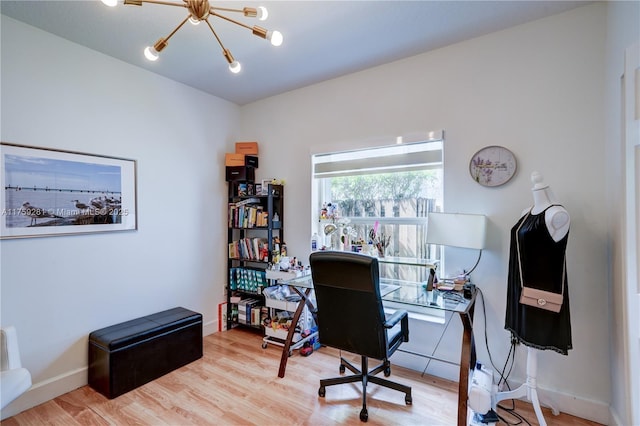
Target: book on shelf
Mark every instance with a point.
(233, 250)
(245, 308)
(256, 249)
(247, 216)
(255, 315)
(247, 279)
(222, 316)
(247, 201)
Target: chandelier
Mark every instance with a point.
(201, 11)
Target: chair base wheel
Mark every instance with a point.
(364, 415)
(408, 400)
(322, 391)
(342, 368)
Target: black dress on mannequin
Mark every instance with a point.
(543, 267)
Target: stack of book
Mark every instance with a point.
(247, 214)
(249, 311)
(249, 249)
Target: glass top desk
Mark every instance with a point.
(408, 295)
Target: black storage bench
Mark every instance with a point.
(127, 355)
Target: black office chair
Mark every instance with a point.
(351, 318)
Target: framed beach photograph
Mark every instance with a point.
(48, 192)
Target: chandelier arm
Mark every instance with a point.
(166, 3)
(213, 12)
(177, 28)
(226, 9)
(250, 12)
(234, 66)
(215, 34)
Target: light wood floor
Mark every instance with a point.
(236, 383)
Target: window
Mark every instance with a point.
(387, 190)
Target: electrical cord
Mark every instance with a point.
(514, 413)
(503, 378)
(486, 340)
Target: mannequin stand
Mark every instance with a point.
(528, 389)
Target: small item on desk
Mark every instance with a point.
(445, 286)
(460, 281)
(468, 290)
(432, 279)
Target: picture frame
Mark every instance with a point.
(264, 186)
(52, 192)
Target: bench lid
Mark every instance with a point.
(134, 331)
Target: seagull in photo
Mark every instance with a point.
(80, 205)
(36, 213)
(97, 203)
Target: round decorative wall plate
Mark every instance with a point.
(492, 166)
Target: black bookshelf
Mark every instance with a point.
(254, 239)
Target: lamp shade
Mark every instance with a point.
(457, 230)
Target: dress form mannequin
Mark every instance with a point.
(557, 222)
(556, 217)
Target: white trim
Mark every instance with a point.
(47, 390)
(595, 411)
(630, 231)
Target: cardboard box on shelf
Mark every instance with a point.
(251, 160)
(247, 148)
(233, 159)
(240, 173)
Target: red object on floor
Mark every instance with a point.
(306, 350)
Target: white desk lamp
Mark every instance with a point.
(458, 230)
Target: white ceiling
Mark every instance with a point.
(322, 39)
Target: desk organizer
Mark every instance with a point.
(125, 356)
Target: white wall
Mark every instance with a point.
(536, 89)
(56, 290)
(622, 31)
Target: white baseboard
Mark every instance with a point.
(46, 390)
(614, 418)
(209, 327)
(596, 411)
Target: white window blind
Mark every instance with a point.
(388, 159)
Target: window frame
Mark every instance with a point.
(321, 188)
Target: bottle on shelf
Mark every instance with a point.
(315, 241)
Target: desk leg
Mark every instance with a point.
(291, 332)
(307, 301)
(467, 361)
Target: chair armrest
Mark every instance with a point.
(14, 380)
(395, 318)
(9, 351)
(399, 315)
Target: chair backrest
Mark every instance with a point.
(350, 312)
